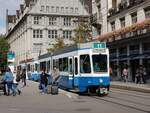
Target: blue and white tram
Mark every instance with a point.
(83, 67)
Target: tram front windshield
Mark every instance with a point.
(85, 65)
(99, 63)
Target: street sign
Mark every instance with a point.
(10, 56)
(100, 45)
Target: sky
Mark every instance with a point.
(11, 5)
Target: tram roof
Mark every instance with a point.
(68, 49)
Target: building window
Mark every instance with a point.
(37, 33)
(112, 25)
(134, 17)
(52, 21)
(71, 10)
(57, 9)
(146, 46)
(52, 33)
(52, 9)
(122, 21)
(134, 49)
(47, 8)
(37, 47)
(67, 34)
(66, 9)
(114, 3)
(76, 10)
(123, 51)
(37, 19)
(67, 21)
(147, 12)
(42, 8)
(62, 9)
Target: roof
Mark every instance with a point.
(68, 49)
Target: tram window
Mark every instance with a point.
(28, 67)
(85, 66)
(70, 66)
(57, 63)
(76, 66)
(60, 65)
(37, 67)
(42, 66)
(65, 64)
(48, 66)
(99, 63)
(54, 64)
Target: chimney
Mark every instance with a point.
(21, 8)
(27, 2)
(17, 13)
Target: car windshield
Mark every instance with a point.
(99, 63)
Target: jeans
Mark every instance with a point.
(44, 88)
(10, 87)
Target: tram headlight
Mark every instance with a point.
(100, 80)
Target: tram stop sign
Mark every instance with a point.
(101, 45)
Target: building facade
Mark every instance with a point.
(98, 19)
(128, 36)
(38, 24)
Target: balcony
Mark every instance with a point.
(124, 5)
(135, 2)
(112, 11)
(96, 20)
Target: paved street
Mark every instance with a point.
(118, 101)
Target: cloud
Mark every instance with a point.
(11, 5)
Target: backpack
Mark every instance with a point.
(18, 79)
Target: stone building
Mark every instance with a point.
(38, 23)
(128, 37)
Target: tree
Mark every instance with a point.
(4, 48)
(82, 33)
(59, 44)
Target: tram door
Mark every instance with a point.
(75, 70)
(71, 74)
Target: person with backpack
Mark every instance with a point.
(16, 82)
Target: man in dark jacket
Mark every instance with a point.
(23, 76)
(44, 81)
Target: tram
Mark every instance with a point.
(82, 67)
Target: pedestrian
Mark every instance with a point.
(137, 75)
(111, 73)
(3, 82)
(8, 78)
(55, 75)
(16, 82)
(23, 77)
(125, 74)
(43, 81)
(143, 74)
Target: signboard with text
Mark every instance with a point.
(100, 45)
(10, 56)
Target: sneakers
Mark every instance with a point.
(19, 92)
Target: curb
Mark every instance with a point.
(131, 88)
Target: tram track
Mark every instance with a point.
(131, 94)
(121, 104)
(129, 101)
